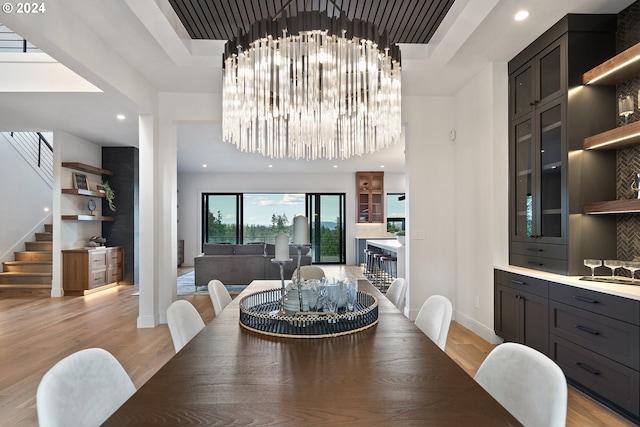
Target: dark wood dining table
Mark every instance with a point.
(388, 375)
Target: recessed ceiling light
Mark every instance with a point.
(521, 15)
(335, 166)
(120, 117)
(270, 166)
(204, 166)
(382, 166)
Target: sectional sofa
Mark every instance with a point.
(240, 264)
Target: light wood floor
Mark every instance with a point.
(37, 332)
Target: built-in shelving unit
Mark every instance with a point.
(78, 192)
(620, 137)
(618, 69)
(82, 167)
(87, 218)
(86, 168)
(612, 207)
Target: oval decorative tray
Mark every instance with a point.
(259, 312)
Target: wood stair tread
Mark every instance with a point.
(25, 285)
(26, 262)
(20, 274)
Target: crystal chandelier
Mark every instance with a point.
(311, 87)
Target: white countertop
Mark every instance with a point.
(376, 237)
(388, 244)
(627, 291)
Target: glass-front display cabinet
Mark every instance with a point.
(370, 197)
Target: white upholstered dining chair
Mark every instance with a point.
(434, 319)
(527, 383)
(219, 295)
(82, 390)
(309, 272)
(396, 292)
(184, 323)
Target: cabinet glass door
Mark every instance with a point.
(376, 183)
(363, 207)
(550, 73)
(550, 128)
(523, 92)
(377, 210)
(524, 163)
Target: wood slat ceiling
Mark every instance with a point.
(407, 21)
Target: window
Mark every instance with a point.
(395, 212)
(221, 218)
(327, 227)
(258, 217)
(265, 215)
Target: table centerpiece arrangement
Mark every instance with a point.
(307, 308)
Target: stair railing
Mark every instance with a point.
(12, 42)
(35, 148)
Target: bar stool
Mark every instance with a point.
(377, 269)
(388, 267)
(368, 263)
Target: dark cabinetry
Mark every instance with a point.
(592, 336)
(594, 339)
(521, 307)
(180, 252)
(370, 196)
(549, 117)
(539, 80)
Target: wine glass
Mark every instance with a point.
(632, 266)
(592, 263)
(332, 297)
(352, 294)
(612, 264)
(312, 293)
(322, 295)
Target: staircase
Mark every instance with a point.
(31, 272)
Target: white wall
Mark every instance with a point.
(75, 234)
(23, 199)
(481, 185)
(192, 185)
(457, 197)
(431, 174)
(71, 234)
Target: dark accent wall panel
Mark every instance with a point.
(124, 231)
(628, 160)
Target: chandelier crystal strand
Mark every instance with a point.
(310, 93)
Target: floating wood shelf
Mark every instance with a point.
(620, 137)
(618, 69)
(612, 207)
(87, 218)
(86, 168)
(78, 192)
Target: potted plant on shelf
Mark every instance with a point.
(109, 194)
(400, 236)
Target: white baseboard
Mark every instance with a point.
(477, 328)
(147, 322)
